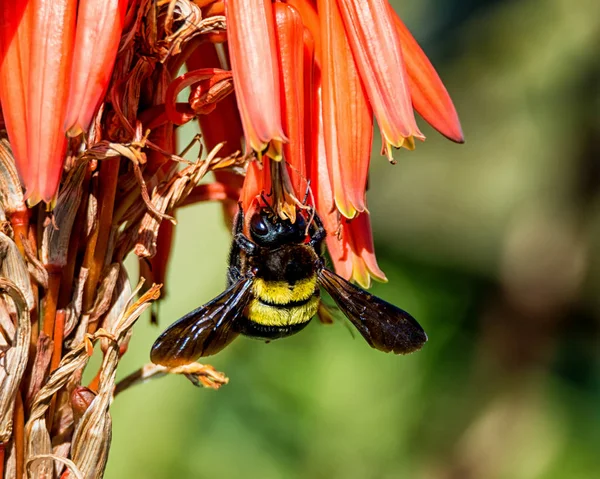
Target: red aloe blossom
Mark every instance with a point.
(339, 62)
(428, 93)
(15, 32)
(99, 27)
(290, 42)
(252, 48)
(376, 47)
(50, 64)
(347, 116)
(37, 51)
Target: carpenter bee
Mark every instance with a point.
(273, 291)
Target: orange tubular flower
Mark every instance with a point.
(376, 47)
(290, 42)
(15, 36)
(429, 95)
(252, 48)
(339, 62)
(34, 87)
(347, 117)
(99, 27)
(51, 53)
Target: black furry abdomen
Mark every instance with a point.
(260, 331)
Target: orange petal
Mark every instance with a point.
(310, 19)
(52, 39)
(349, 242)
(376, 48)
(348, 127)
(99, 27)
(319, 176)
(251, 41)
(312, 86)
(15, 31)
(290, 42)
(429, 95)
(357, 232)
(253, 185)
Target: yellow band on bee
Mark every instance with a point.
(281, 316)
(280, 292)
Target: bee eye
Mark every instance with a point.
(258, 226)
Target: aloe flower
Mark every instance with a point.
(56, 65)
(99, 27)
(339, 63)
(285, 94)
(36, 53)
(252, 48)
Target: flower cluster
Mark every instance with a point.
(309, 77)
(89, 92)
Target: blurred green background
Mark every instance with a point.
(494, 246)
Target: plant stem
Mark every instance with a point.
(19, 435)
(2, 447)
(51, 299)
(97, 246)
(59, 333)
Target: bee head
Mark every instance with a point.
(267, 229)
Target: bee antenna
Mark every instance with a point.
(268, 206)
(307, 193)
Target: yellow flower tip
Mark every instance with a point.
(364, 281)
(388, 152)
(33, 200)
(378, 276)
(274, 150)
(50, 205)
(360, 273)
(407, 143)
(363, 274)
(74, 131)
(346, 208)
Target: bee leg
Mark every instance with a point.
(246, 245)
(238, 226)
(319, 234)
(240, 241)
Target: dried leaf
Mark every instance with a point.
(37, 438)
(39, 368)
(55, 241)
(105, 293)
(189, 16)
(73, 310)
(34, 265)
(13, 266)
(61, 453)
(92, 437)
(32, 462)
(198, 374)
(170, 194)
(11, 192)
(120, 302)
(15, 360)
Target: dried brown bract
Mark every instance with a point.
(63, 283)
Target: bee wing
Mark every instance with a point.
(383, 325)
(204, 331)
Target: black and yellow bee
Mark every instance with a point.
(273, 291)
